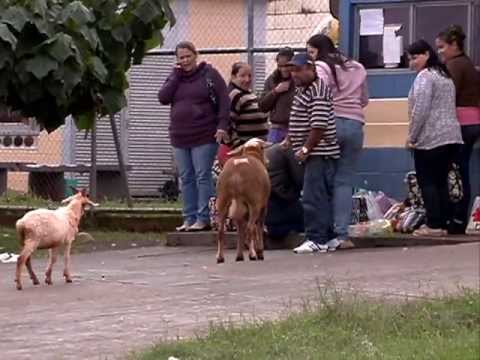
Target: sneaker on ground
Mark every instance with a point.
(309, 247)
(334, 244)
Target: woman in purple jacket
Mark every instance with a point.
(199, 119)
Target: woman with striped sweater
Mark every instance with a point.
(246, 118)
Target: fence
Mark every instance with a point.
(224, 31)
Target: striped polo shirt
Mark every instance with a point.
(312, 108)
(247, 120)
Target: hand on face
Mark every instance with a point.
(282, 87)
(186, 60)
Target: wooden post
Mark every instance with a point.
(93, 162)
(121, 162)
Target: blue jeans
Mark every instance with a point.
(195, 170)
(350, 139)
(318, 199)
(277, 135)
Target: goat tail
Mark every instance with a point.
(20, 227)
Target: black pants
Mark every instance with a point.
(461, 211)
(432, 168)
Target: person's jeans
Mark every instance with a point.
(432, 167)
(318, 199)
(350, 139)
(195, 170)
(470, 134)
(277, 135)
(283, 217)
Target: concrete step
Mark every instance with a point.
(396, 240)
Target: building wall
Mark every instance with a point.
(49, 150)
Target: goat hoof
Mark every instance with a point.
(19, 286)
(260, 257)
(35, 282)
(220, 261)
(252, 258)
(48, 281)
(68, 281)
(239, 258)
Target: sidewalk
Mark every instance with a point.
(127, 300)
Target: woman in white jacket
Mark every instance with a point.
(348, 82)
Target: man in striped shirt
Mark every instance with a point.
(312, 135)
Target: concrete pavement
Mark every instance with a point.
(124, 300)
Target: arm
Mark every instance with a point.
(167, 92)
(324, 72)
(266, 102)
(223, 100)
(422, 95)
(456, 74)
(364, 97)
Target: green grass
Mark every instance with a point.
(102, 240)
(12, 198)
(444, 329)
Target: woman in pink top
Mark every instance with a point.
(450, 44)
(348, 81)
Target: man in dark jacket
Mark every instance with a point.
(278, 96)
(285, 212)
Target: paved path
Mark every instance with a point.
(123, 300)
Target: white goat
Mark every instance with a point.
(48, 229)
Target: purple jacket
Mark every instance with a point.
(193, 119)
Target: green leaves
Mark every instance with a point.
(70, 57)
(7, 36)
(40, 66)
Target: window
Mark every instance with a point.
(419, 19)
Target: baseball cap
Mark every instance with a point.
(300, 60)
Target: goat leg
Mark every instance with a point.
(260, 238)
(30, 271)
(221, 239)
(252, 239)
(66, 271)
(241, 229)
(52, 259)
(28, 249)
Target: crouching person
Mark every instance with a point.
(285, 212)
(312, 134)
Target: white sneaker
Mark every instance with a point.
(309, 247)
(334, 244)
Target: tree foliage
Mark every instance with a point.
(71, 57)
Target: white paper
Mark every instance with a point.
(392, 45)
(371, 22)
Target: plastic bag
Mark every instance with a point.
(473, 227)
(384, 202)
(379, 228)
(411, 220)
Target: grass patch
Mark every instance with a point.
(336, 328)
(12, 198)
(102, 240)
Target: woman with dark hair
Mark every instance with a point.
(451, 48)
(348, 82)
(199, 119)
(434, 134)
(247, 120)
(277, 97)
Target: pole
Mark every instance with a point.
(93, 162)
(250, 32)
(121, 162)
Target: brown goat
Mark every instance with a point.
(243, 189)
(48, 229)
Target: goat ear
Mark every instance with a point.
(74, 189)
(237, 151)
(84, 192)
